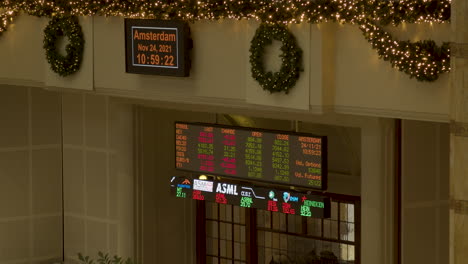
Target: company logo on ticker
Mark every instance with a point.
(206, 186)
(287, 197)
(186, 181)
(271, 195)
(185, 184)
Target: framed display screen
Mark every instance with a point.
(157, 47)
(286, 158)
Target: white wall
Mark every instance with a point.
(166, 224)
(366, 83)
(97, 171)
(30, 176)
(98, 175)
(425, 192)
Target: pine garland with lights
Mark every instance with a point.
(67, 26)
(273, 11)
(369, 15)
(6, 18)
(291, 58)
(422, 60)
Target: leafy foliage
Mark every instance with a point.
(104, 259)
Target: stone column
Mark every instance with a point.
(458, 223)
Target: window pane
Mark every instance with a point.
(347, 231)
(268, 241)
(242, 230)
(336, 250)
(237, 250)
(300, 221)
(314, 227)
(351, 253)
(261, 218)
(211, 210)
(275, 240)
(237, 233)
(344, 252)
(211, 246)
(344, 212)
(276, 220)
(334, 210)
(229, 230)
(229, 246)
(242, 214)
(351, 213)
(243, 254)
(222, 247)
(222, 211)
(283, 242)
(261, 238)
(239, 215)
(228, 213)
(225, 213)
(212, 228)
(294, 224)
(261, 255)
(225, 231)
(268, 219)
(330, 229)
(283, 226)
(268, 256)
(212, 260)
(326, 228)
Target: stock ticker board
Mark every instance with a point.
(292, 159)
(252, 197)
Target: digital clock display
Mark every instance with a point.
(273, 200)
(157, 47)
(286, 158)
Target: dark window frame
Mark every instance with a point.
(251, 227)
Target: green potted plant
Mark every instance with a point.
(104, 259)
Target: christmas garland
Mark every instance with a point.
(369, 15)
(423, 60)
(69, 27)
(277, 11)
(6, 19)
(291, 58)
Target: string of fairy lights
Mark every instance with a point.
(423, 60)
(6, 18)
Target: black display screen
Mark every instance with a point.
(252, 154)
(273, 200)
(157, 47)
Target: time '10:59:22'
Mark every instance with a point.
(155, 59)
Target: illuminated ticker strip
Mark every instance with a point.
(270, 199)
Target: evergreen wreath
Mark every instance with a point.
(69, 27)
(291, 58)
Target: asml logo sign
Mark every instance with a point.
(227, 188)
